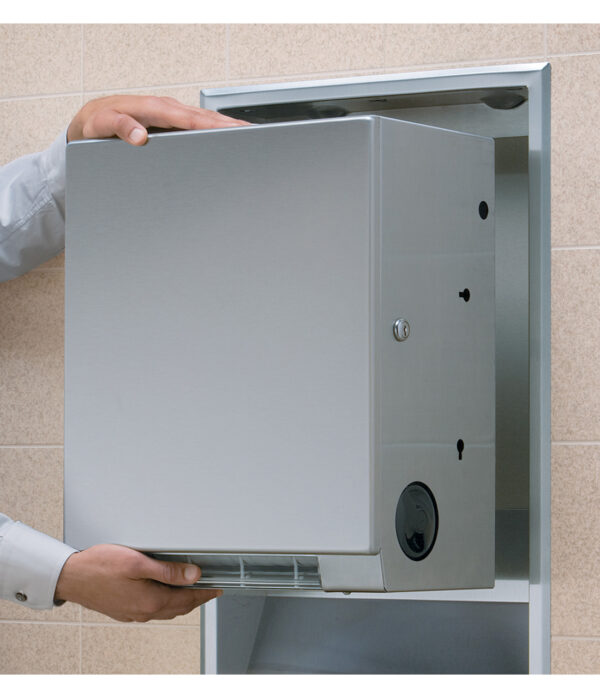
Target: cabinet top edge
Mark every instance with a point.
(516, 69)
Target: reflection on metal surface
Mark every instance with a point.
(496, 98)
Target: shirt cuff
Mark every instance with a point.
(31, 563)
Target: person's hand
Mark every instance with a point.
(127, 117)
(130, 586)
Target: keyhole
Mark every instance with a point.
(466, 294)
(460, 446)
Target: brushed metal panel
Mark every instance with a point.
(231, 373)
(438, 386)
(217, 340)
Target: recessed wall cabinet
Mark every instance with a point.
(312, 355)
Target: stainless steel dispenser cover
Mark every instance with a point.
(234, 385)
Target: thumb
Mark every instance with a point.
(128, 129)
(109, 122)
(174, 573)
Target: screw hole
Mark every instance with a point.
(483, 210)
(466, 294)
(460, 447)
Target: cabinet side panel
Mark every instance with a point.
(437, 396)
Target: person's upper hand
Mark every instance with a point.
(130, 586)
(127, 117)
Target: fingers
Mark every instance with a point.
(171, 573)
(109, 122)
(128, 116)
(157, 602)
(169, 113)
(182, 601)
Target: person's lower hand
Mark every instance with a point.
(130, 586)
(127, 117)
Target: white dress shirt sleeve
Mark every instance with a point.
(32, 230)
(30, 564)
(32, 209)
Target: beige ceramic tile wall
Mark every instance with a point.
(47, 72)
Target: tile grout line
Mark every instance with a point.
(114, 90)
(38, 270)
(574, 54)
(501, 60)
(61, 446)
(583, 638)
(80, 640)
(51, 95)
(31, 446)
(575, 443)
(18, 621)
(91, 624)
(227, 51)
(386, 40)
(81, 64)
(572, 248)
(136, 626)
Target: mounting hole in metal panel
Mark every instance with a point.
(416, 521)
(483, 209)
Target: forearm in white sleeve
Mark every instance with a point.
(30, 564)
(32, 209)
(32, 230)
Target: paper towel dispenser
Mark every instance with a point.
(280, 353)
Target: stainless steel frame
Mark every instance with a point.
(500, 87)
